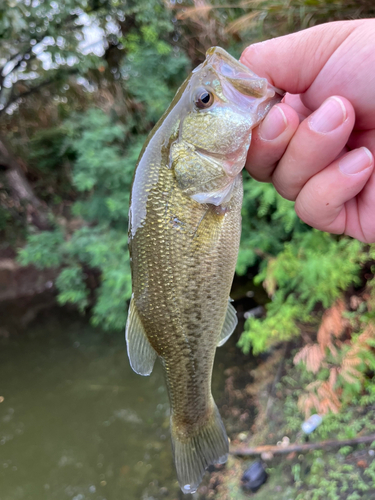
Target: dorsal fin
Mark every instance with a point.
(141, 355)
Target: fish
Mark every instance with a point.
(184, 235)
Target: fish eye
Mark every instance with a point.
(204, 99)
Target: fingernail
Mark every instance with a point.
(273, 125)
(329, 116)
(355, 161)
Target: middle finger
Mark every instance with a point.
(316, 143)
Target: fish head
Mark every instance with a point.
(224, 101)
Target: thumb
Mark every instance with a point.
(292, 62)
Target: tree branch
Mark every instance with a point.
(277, 450)
(14, 98)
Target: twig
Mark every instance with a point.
(277, 450)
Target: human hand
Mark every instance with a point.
(318, 145)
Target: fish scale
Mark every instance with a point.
(184, 234)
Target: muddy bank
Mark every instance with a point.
(18, 281)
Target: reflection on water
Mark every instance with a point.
(76, 422)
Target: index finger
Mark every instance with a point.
(293, 62)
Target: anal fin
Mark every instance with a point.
(229, 325)
(141, 354)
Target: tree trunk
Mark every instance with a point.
(21, 189)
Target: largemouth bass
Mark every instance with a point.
(184, 234)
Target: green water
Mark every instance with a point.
(76, 422)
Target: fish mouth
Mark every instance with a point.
(239, 75)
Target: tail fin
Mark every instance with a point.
(192, 455)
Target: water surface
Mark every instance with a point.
(76, 422)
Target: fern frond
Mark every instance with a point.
(312, 355)
(333, 323)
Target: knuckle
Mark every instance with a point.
(303, 213)
(260, 173)
(287, 191)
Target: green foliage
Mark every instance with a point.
(301, 268)
(314, 266)
(12, 219)
(83, 165)
(72, 287)
(101, 168)
(102, 174)
(268, 221)
(105, 248)
(29, 29)
(337, 477)
(322, 474)
(161, 74)
(48, 149)
(89, 159)
(44, 249)
(49, 158)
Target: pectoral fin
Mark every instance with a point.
(230, 324)
(141, 355)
